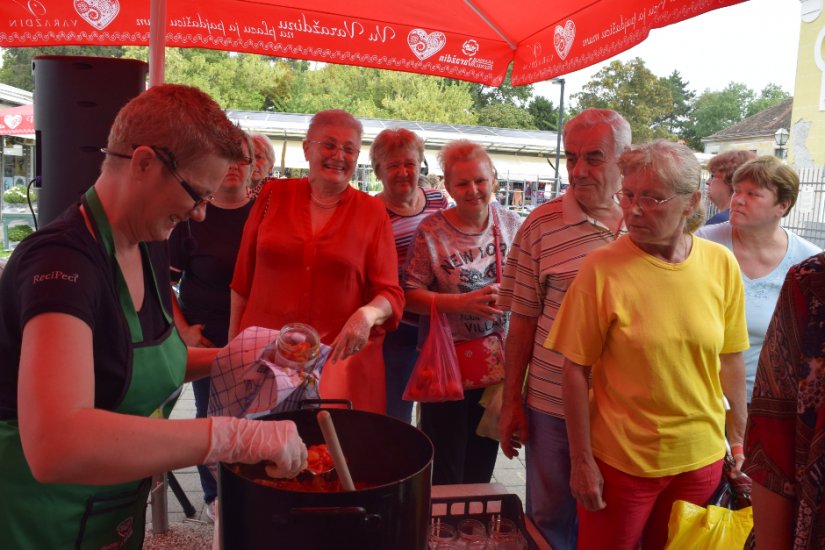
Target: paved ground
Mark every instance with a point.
(509, 473)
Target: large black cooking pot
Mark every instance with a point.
(394, 458)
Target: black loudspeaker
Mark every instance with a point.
(75, 102)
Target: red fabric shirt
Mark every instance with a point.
(785, 440)
(288, 275)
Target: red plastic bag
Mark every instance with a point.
(436, 376)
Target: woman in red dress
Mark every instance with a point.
(318, 251)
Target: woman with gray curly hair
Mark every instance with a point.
(397, 155)
(658, 319)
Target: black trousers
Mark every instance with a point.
(460, 455)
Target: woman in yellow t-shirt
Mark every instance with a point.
(658, 319)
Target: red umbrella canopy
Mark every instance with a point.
(17, 121)
(473, 40)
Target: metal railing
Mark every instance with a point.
(807, 217)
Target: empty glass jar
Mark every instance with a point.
(442, 535)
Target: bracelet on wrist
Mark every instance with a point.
(737, 450)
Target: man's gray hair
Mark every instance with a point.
(594, 117)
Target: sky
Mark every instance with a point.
(754, 42)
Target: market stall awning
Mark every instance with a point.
(522, 167)
(17, 121)
(473, 40)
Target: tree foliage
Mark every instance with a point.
(545, 115)
(654, 106)
(632, 89)
(771, 95)
(714, 111)
(235, 81)
(17, 62)
(666, 107)
(506, 115)
(677, 121)
(374, 93)
(506, 93)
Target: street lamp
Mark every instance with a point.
(560, 82)
(781, 138)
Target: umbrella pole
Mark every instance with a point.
(157, 53)
(157, 41)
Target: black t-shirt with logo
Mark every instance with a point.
(62, 269)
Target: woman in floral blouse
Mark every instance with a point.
(785, 440)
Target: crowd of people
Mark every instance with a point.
(640, 344)
(631, 343)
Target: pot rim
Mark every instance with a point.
(287, 415)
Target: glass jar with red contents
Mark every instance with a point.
(298, 346)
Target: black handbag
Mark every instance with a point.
(734, 490)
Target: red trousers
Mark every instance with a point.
(638, 508)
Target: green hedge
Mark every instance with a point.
(17, 195)
(19, 232)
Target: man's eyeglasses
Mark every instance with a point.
(167, 158)
(626, 200)
(330, 147)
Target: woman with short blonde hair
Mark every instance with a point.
(452, 264)
(657, 319)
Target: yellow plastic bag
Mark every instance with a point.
(691, 527)
(491, 401)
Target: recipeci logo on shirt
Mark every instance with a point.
(55, 276)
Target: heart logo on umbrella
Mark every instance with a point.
(97, 13)
(563, 38)
(13, 121)
(424, 44)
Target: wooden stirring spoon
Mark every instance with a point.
(334, 447)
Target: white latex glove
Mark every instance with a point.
(250, 441)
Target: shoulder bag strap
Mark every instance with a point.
(497, 240)
(268, 196)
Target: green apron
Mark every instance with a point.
(51, 516)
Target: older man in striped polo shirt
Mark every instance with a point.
(543, 261)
